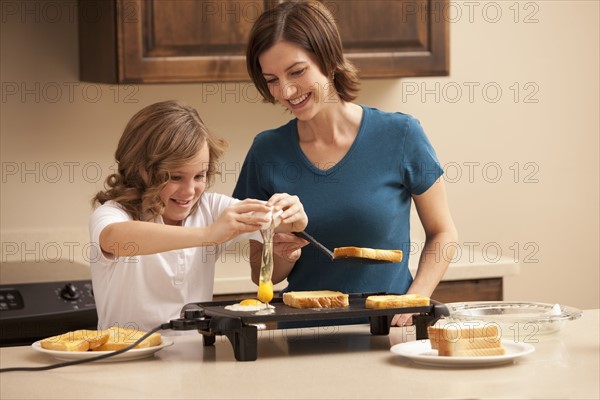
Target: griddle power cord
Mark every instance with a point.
(181, 324)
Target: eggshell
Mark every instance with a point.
(275, 217)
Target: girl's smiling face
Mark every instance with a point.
(184, 188)
(295, 80)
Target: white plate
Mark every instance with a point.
(421, 352)
(133, 354)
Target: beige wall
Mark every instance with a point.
(516, 125)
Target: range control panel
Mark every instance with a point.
(32, 311)
(10, 300)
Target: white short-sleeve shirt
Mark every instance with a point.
(148, 290)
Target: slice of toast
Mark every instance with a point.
(454, 332)
(119, 338)
(468, 344)
(396, 301)
(494, 351)
(365, 252)
(460, 340)
(316, 299)
(80, 340)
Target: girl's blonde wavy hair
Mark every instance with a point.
(159, 138)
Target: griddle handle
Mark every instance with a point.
(440, 310)
(422, 321)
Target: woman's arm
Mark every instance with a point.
(287, 249)
(131, 238)
(433, 211)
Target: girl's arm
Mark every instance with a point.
(131, 238)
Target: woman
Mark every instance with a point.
(157, 232)
(355, 168)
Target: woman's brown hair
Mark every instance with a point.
(159, 138)
(307, 24)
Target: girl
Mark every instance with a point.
(157, 232)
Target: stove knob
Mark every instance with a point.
(69, 292)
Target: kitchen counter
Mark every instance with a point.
(334, 362)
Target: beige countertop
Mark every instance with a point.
(336, 362)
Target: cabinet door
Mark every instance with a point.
(134, 41)
(395, 38)
(490, 289)
(185, 40)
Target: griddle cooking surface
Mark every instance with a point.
(356, 309)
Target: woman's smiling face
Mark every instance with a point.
(184, 188)
(295, 80)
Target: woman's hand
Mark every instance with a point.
(402, 320)
(288, 246)
(293, 217)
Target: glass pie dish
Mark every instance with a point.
(520, 321)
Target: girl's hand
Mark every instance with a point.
(238, 218)
(293, 218)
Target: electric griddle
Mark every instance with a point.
(240, 327)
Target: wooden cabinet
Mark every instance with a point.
(395, 38)
(469, 290)
(161, 41)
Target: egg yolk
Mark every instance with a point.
(265, 291)
(251, 302)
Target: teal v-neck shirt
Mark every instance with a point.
(364, 200)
